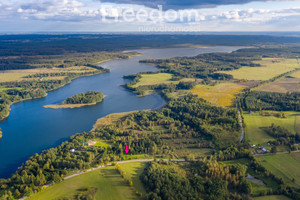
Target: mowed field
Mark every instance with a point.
(284, 166)
(18, 75)
(153, 79)
(254, 122)
(221, 95)
(109, 183)
(156, 79)
(270, 67)
(296, 74)
(289, 83)
(135, 170)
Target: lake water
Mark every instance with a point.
(31, 128)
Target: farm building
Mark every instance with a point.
(89, 143)
(261, 150)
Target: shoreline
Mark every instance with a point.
(58, 106)
(85, 75)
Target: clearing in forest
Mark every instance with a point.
(270, 68)
(221, 95)
(284, 166)
(107, 182)
(254, 123)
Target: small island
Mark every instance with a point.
(79, 100)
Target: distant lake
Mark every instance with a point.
(31, 128)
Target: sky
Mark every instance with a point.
(21, 16)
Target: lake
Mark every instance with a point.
(30, 128)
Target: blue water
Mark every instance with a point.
(30, 128)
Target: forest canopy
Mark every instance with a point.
(85, 98)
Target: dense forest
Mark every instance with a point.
(58, 44)
(61, 61)
(256, 100)
(85, 98)
(205, 179)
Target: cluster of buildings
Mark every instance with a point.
(259, 150)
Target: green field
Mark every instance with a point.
(102, 144)
(109, 184)
(283, 166)
(257, 188)
(135, 170)
(154, 79)
(296, 156)
(17, 75)
(270, 67)
(254, 121)
(272, 197)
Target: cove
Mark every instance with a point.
(30, 128)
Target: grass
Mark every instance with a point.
(135, 170)
(272, 197)
(270, 67)
(254, 121)
(297, 124)
(109, 184)
(102, 144)
(221, 95)
(296, 155)
(154, 79)
(296, 74)
(283, 85)
(283, 166)
(58, 106)
(256, 187)
(135, 157)
(197, 152)
(18, 75)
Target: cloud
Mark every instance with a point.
(79, 12)
(181, 4)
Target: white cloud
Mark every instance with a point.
(82, 11)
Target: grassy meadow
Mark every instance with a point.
(284, 166)
(221, 95)
(135, 170)
(254, 121)
(296, 74)
(154, 79)
(108, 181)
(283, 85)
(18, 75)
(157, 79)
(272, 197)
(270, 67)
